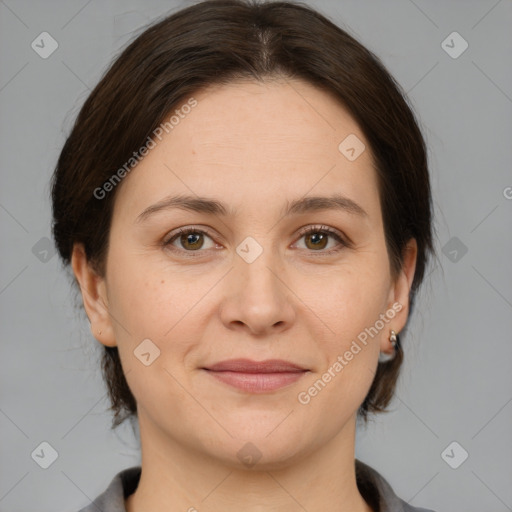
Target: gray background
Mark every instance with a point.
(456, 384)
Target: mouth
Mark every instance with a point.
(256, 376)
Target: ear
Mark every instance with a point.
(399, 294)
(94, 296)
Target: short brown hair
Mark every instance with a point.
(215, 42)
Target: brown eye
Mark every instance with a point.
(189, 239)
(317, 238)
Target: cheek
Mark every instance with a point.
(352, 301)
(350, 351)
(144, 295)
(350, 307)
(150, 304)
(140, 300)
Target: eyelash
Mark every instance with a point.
(304, 231)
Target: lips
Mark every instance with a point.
(248, 366)
(256, 376)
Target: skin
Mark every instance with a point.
(252, 146)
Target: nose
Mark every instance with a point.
(256, 296)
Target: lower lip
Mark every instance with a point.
(257, 382)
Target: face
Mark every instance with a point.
(248, 281)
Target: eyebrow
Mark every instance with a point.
(214, 207)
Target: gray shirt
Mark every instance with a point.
(372, 486)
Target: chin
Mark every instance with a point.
(261, 444)
(263, 455)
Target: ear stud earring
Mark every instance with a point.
(395, 342)
(392, 338)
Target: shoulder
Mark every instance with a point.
(377, 490)
(112, 498)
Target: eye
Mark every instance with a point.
(316, 238)
(190, 238)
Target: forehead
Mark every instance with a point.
(257, 141)
(289, 119)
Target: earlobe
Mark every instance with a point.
(94, 296)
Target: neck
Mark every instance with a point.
(176, 478)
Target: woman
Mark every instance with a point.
(244, 200)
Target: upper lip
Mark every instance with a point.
(250, 366)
